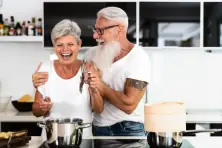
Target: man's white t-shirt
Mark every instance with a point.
(135, 65)
(68, 101)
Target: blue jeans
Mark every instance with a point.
(124, 128)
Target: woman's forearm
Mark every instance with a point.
(96, 101)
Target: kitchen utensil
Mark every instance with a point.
(64, 132)
(172, 139)
(22, 106)
(16, 134)
(15, 142)
(82, 76)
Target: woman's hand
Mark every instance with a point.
(43, 106)
(39, 78)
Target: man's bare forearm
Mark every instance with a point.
(128, 100)
(118, 99)
(96, 101)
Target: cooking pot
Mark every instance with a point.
(172, 139)
(64, 132)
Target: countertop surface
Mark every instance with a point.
(12, 115)
(188, 142)
(203, 116)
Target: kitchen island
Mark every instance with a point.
(199, 141)
(188, 142)
(12, 115)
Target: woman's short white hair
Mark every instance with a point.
(114, 13)
(64, 28)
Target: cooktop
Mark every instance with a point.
(112, 143)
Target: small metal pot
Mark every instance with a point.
(64, 132)
(172, 139)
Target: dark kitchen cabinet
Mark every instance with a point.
(76, 11)
(169, 23)
(216, 126)
(33, 129)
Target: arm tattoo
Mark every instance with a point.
(139, 85)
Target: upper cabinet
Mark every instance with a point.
(84, 14)
(212, 24)
(155, 24)
(169, 24)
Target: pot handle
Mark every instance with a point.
(41, 125)
(84, 125)
(192, 132)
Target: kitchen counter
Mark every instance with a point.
(12, 115)
(201, 118)
(35, 142)
(188, 142)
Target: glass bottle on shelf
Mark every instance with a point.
(6, 27)
(1, 29)
(1, 26)
(12, 31)
(30, 29)
(34, 26)
(24, 29)
(39, 27)
(18, 29)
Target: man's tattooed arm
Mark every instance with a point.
(137, 84)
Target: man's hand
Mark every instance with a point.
(39, 78)
(93, 76)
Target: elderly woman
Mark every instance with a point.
(60, 96)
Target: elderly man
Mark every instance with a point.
(122, 79)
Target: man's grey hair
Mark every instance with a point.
(64, 28)
(114, 13)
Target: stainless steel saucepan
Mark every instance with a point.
(172, 139)
(64, 132)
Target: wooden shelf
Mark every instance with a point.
(21, 39)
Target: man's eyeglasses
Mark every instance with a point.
(100, 31)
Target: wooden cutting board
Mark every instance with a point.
(15, 142)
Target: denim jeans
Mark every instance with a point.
(124, 128)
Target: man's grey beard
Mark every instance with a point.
(105, 55)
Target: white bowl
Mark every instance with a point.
(4, 101)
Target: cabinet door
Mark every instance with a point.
(33, 129)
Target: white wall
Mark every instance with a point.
(19, 60)
(193, 77)
(22, 9)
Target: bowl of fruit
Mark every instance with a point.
(24, 103)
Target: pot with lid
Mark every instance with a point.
(64, 132)
(165, 123)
